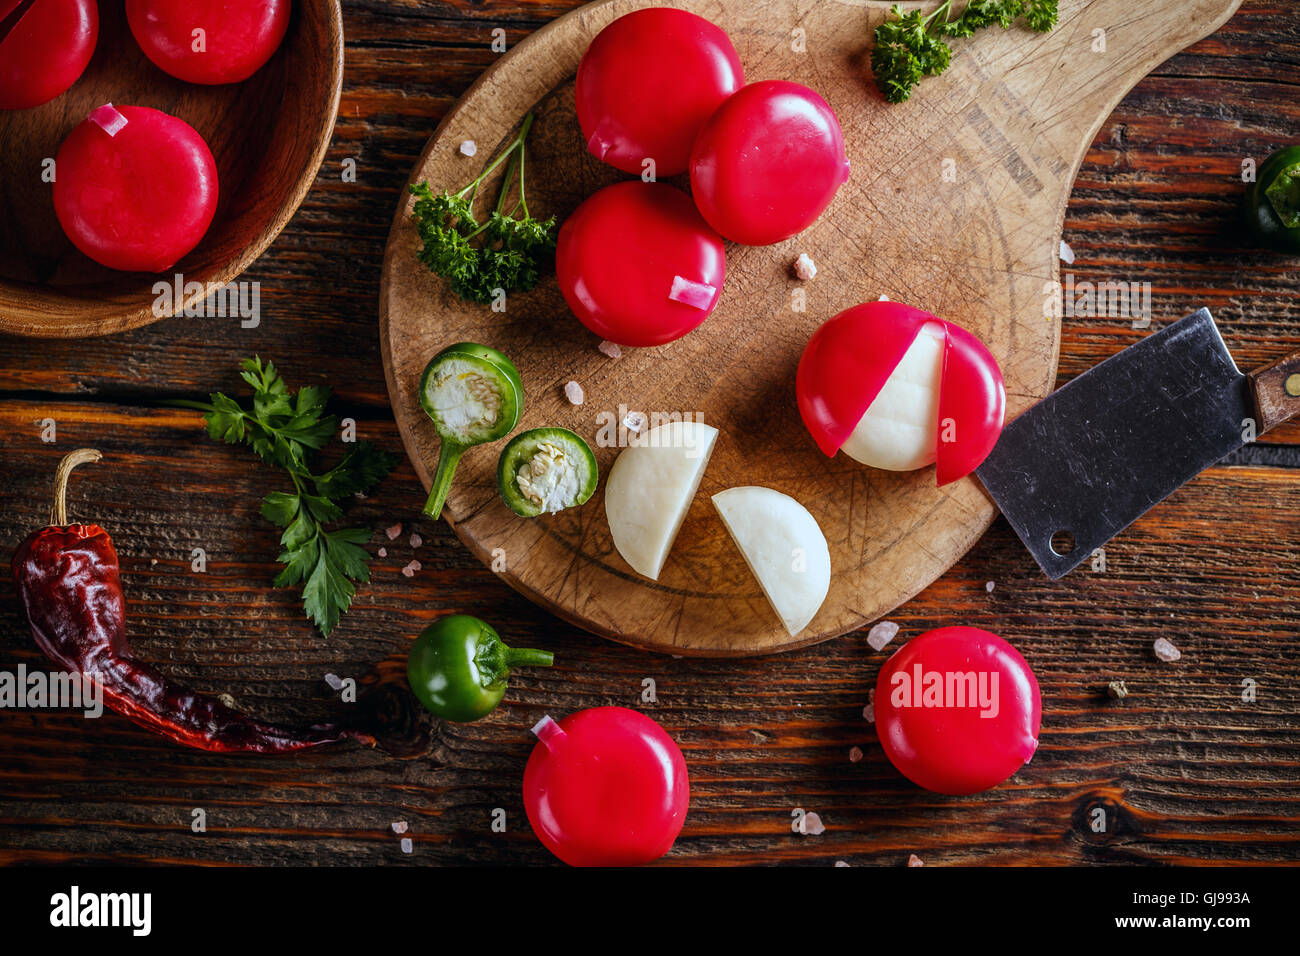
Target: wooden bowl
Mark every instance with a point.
(268, 136)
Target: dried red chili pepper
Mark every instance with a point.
(69, 584)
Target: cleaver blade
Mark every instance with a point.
(1096, 454)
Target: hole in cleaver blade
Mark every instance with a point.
(1096, 454)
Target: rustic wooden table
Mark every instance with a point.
(1187, 769)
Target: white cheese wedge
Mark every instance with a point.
(784, 547)
(650, 489)
(899, 432)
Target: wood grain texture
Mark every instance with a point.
(268, 136)
(1192, 773)
(1013, 120)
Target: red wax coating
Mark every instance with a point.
(638, 265)
(946, 721)
(768, 162)
(848, 360)
(46, 51)
(209, 41)
(648, 82)
(606, 787)
(137, 199)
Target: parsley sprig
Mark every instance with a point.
(285, 430)
(482, 259)
(911, 46)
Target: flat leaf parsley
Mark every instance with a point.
(285, 430)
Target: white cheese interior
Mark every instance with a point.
(650, 489)
(784, 548)
(899, 432)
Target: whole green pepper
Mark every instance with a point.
(458, 667)
(1273, 201)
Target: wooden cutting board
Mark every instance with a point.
(955, 205)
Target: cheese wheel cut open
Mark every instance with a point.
(650, 489)
(899, 431)
(784, 547)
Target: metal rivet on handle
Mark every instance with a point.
(1292, 385)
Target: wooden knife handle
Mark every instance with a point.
(1276, 391)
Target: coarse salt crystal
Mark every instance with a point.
(410, 569)
(840, 863)
(1166, 651)
(989, 586)
(882, 634)
(810, 824)
(635, 421)
(855, 754)
(383, 552)
(804, 267)
(915, 860)
(399, 827)
(407, 845)
(869, 712)
(610, 349)
(334, 681)
(468, 148)
(573, 392)
(393, 532)
(883, 298)
(416, 541)
(1067, 254)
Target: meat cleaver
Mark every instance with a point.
(1091, 458)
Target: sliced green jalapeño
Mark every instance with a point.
(474, 395)
(545, 470)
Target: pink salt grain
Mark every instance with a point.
(383, 552)
(610, 349)
(1165, 650)
(855, 754)
(573, 392)
(410, 569)
(869, 712)
(399, 827)
(416, 541)
(811, 825)
(915, 860)
(407, 845)
(804, 267)
(882, 634)
(393, 532)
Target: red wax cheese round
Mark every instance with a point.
(134, 189)
(648, 82)
(606, 787)
(208, 41)
(637, 264)
(849, 360)
(768, 162)
(957, 710)
(46, 50)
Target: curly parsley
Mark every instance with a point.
(483, 259)
(910, 46)
(285, 430)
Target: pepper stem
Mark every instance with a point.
(59, 507)
(448, 458)
(528, 657)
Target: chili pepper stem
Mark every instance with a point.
(59, 506)
(448, 458)
(528, 657)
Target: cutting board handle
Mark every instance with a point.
(1276, 391)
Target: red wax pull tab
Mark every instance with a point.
(688, 292)
(548, 732)
(108, 118)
